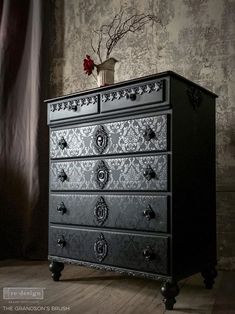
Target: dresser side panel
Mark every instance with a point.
(193, 179)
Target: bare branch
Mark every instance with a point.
(119, 27)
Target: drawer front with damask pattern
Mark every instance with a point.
(140, 252)
(129, 173)
(132, 212)
(136, 135)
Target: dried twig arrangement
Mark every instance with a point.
(120, 26)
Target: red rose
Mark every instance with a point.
(88, 65)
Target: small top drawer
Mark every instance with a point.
(133, 96)
(72, 107)
(137, 135)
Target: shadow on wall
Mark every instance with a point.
(56, 50)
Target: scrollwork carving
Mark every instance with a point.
(101, 211)
(195, 96)
(101, 248)
(100, 139)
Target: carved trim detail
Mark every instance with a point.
(195, 96)
(100, 139)
(122, 271)
(73, 104)
(101, 211)
(101, 248)
(139, 90)
(101, 174)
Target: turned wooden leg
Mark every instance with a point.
(56, 268)
(169, 291)
(209, 275)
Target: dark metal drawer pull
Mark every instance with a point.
(149, 213)
(61, 208)
(62, 143)
(100, 139)
(101, 174)
(101, 211)
(148, 254)
(61, 241)
(62, 176)
(149, 173)
(101, 248)
(131, 96)
(149, 134)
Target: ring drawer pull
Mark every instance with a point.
(61, 242)
(100, 248)
(149, 134)
(62, 176)
(62, 143)
(101, 211)
(100, 139)
(101, 174)
(61, 208)
(149, 173)
(149, 213)
(148, 254)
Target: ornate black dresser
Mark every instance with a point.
(132, 180)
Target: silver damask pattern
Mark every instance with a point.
(123, 137)
(124, 174)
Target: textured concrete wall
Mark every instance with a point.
(197, 40)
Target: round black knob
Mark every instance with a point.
(149, 213)
(61, 242)
(149, 134)
(149, 173)
(132, 96)
(62, 143)
(61, 208)
(74, 106)
(148, 254)
(62, 176)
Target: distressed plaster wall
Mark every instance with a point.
(197, 40)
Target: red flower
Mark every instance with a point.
(88, 65)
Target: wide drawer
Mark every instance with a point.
(134, 96)
(72, 107)
(135, 135)
(129, 173)
(132, 212)
(139, 252)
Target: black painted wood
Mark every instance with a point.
(132, 180)
(56, 269)
(135, 212)
(146, 253)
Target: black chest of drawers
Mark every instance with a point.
(132, 180)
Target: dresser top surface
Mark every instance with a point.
(132, 81)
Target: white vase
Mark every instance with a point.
(105, 72)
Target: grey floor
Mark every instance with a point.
(87, 291)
